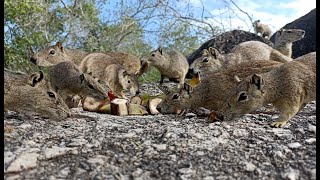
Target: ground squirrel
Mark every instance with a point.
(211, 60)
(55, 54)
(263, 29)
(212, 90)
(68, 80)
(171, 64)
(26, 94)
(284, 39)
(288, 87)
(105, 69)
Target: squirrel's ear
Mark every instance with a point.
(35, 78)
(59, 45)
(160, 50)
(214, 52)
(164, 89)
(205, 52)
(187, 87)
(82, 78)
(258, 81)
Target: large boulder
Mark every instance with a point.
(226, 41)
(308, 43)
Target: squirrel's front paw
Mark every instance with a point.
(278, 124)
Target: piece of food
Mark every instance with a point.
(152, 105)
(136, 109)
(119, 107)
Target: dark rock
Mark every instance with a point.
(226, 41)
(308, 43)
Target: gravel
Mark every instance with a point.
(104, 146)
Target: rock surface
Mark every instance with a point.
(159, 147)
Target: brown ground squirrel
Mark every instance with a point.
(55, 54)
(263, 29)
(105, 69)
(288, 87)
(26, 94)
(284, 39)
(212, 90)
(171, 64)
(211, 60)
(67, 79)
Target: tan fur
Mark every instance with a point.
(288, 87)
(211, 60)
(26, 94)
(263, 29)
(212, 90)
(284, 39)
(67, 79)
(104, 68)
(95, 63)
(171, 64)
(129, 62)
(53, 55)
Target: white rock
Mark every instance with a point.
(25, 126)
(240, 133)
(291, 174)
(312, 128)
(278, 154)
(137, 172)
(23, 161)
(200, 153)
(8, 157)
(13, 177)
(173, 157)
(313, 174)
(216, 132)
(190, 115)
(208, 178)
(58, 151)
(280, 132)
(311, 140)
(77, 142)
(160, 147)
(294, 145)
(97, 160)
(129, 135)
(249, 166)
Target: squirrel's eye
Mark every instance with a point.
(153, 55)
(205, 60)
(176, 96)
(90, 86)
(52, 52)
(242, 97)
(51, 94)
(129, 81)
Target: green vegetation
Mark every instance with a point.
(135, 26)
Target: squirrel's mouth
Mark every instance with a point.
(215, 116)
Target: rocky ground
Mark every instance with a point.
(103, 146)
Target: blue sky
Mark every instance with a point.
(275, 13)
